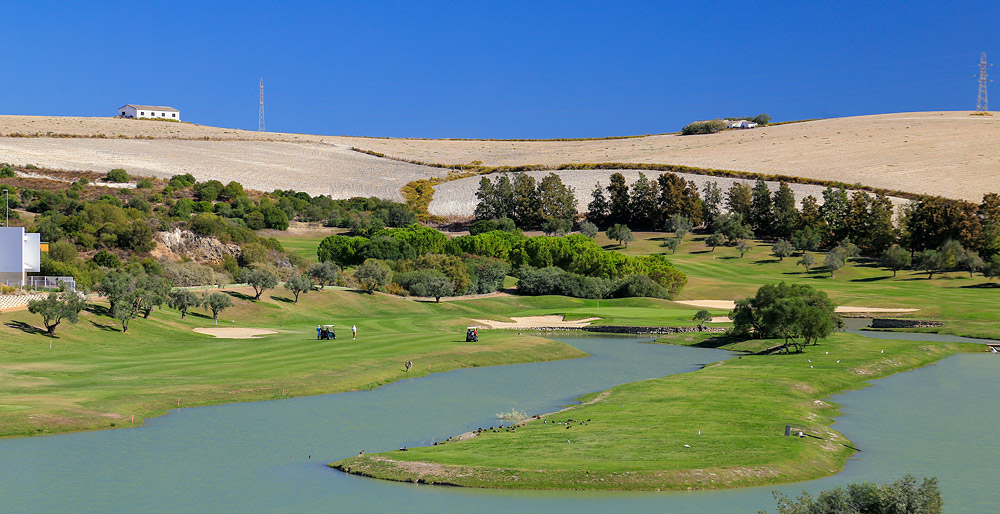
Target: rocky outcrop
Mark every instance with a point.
(904, 323)
(176, 243)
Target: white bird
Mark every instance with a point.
(810, 360)
(883, 351)
(687, 445)
(828, 353)
(699, 432)
(567, 440)
(838, 361)
(810, 367)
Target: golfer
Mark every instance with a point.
(354, 331)
(319, 329)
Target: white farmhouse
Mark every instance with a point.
(149, 111)
(20, 253)
(741, 124)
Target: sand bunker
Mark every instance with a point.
(843, 309)
(537, 322)
(234, 333)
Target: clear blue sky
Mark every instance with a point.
(513, 69)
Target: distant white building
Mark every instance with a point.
(149, 111)
(741, 124)
(20, 253)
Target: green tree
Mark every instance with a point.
(63, 251)
(260, 279)
(152, 292)
(115, 285)
(895, 258)
(781, 249)
(556, 227)
(58, 307)
(618, 210)
(807, 239)
(971, 262)
(679, 224)
(786, 216)
(900, 497)
(341, 250)
(598, 209)
(486, 208)
(702, 317)
(324, 274)
(798, 313)
(557, 201)
(182, 300)
(217, 302)
(620, 233)
(712, 202)
(761, 209)
(588, 229)
(714, 240)
(739, 199)
(930, 261)
(807, 261)
(643, 204)
(372, 274)
(835, 212)
(743, 247)
(127, 308)
(992, 267)
(298, 284)
(833, 261)
(672, 243)
(527, 202)
(431, 283)
(117, 175)
(487, 274)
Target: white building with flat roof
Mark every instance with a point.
(149, 111)
(20, 254)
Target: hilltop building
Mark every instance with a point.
(741, 124)
(149, 111)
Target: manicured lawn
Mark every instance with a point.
(636, 434)
(967, 306)
(94, 376)
(303, 244)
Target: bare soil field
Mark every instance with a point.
(313, 167)
(953, 154)
(458, 197)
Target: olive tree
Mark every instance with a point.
(895, 258)
(298, 284)
(620, 233)
(183, 300)
(324, 274)
(260, 279)
(372, 274)
(781, 249)
(702, 317)
(217, 302)
(58, 307)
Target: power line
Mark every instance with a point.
(260, 113)
(982, 105)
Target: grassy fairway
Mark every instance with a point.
(304, 243)
(96, 377)
(967, 306)
(637, 432)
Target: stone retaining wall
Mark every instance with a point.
(8, 301)
(904, 323)
(619, 329)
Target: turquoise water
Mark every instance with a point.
(272, 456)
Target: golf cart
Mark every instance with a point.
(326, 332)
(472, 334)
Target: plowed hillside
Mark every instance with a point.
(954, 154)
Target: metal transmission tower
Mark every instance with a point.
(982, 105)
(260, 113)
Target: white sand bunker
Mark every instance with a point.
(843, 309)
(537, 322)
(234, 333)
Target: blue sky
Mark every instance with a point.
(507, 70)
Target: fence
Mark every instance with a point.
(43, 283)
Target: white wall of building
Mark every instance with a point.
(129, 111)
(12, 250)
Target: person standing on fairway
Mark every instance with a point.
(354, 332)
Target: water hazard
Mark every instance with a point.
(272, 456)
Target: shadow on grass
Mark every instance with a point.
(871, 279)
(99, 310)
(282, 299)
(106, 328)
(26, 328)
(700, 252)
(984, 285)
(199, 315)
(239, 295)
(716, 342)
(767, 261)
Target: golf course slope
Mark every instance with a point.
(719, 427)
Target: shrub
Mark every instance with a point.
(117, 175)
(144, 183)
(7, 172)
(106, 259)
(703, 127)
(588, 229)
(371, 275)
(340, 250)
(182, 181)
(187, 274)
(63, 251)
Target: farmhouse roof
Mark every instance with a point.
(151, 107)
